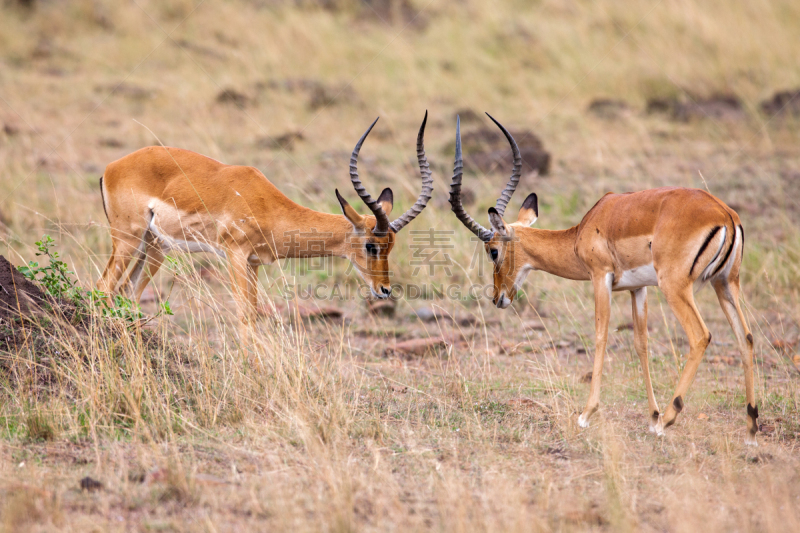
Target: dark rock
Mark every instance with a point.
(418, 348)
(90, 485)
(233, 97)
(110, 142)
(487, 150)
(782, 103)
(717, 107)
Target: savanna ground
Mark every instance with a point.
(321, 424)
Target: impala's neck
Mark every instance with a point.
(552, 251)
(303, 232)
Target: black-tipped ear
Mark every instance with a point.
(350, 214)
(532, 202)
(386, 199)
(342, 201)
(529, 211)
(498, 225)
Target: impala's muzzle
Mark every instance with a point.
(382, 293)
(502, 301)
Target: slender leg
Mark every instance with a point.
(728, 295)
(639, 307)
(602, 311)
(243, 282)
(681, 300)
(153, 261)
(252, 289)
(123, 251)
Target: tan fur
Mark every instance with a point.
(626, 237)
(232, 209)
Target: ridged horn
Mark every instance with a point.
(427, 184)
(505, 197)
(455, 193)
(382, 221)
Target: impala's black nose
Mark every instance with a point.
(386, 291)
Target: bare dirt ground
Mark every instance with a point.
(440, 412)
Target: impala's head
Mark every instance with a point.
(373, 237)
(510, 267)
(501, 242)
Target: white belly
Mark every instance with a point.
(177, 231)
(643, 276)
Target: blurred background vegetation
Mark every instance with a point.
(328, 425)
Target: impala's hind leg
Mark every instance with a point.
(728, 294)
(639, 313)
(680, 298)
(144, 270)
(123, 251)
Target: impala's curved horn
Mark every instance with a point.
(505, 197)
(427, 184)
(455, 193)
(382, 221)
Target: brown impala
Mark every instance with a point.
(160, 199)
(673, 238)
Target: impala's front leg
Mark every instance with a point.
(602, 310)
(639, 313)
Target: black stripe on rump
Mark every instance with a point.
(727, 255)
(741, 229)
(703, 248)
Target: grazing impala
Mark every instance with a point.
(673, 238)
(160, 199)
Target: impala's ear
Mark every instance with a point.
(529, 211)
(350, 214)
(498, 225)
(386, 199)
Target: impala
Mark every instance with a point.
(159, 199)
(674, 238)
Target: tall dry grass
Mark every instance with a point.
(308, 425)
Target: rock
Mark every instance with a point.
(110, 142)
(90, 485)
(782, 103)
(384, 308)
(718, 107)
(233, 97)
(468, 116)
(487, 150)
(308, 312)
(414, 348)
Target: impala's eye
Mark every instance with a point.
(493, 253)
(372, 249)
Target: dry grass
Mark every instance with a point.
(311, 426)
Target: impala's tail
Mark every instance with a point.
(103, 197)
